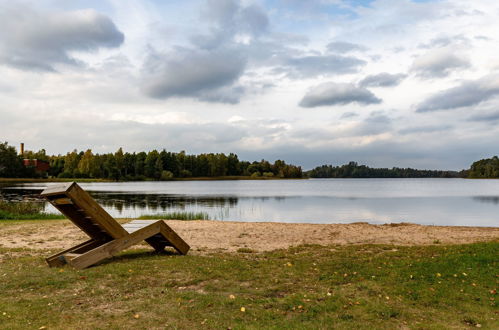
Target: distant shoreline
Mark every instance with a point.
(222, 178)
(203, 178)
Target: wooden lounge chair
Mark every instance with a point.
(107, 237)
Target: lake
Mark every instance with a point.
(454, 202)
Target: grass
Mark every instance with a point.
(307, 287)
(177, 216)
(25, 211)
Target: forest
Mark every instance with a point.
(354, 170)
(166, 165)
(152, 165)
(484, 169)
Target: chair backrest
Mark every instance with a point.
(79, 207)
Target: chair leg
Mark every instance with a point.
(57, 259)
(111, 248)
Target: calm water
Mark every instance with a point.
(456, 202)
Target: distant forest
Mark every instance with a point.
(166, 165)
(485, 168)
(354, 170)
(152, 165)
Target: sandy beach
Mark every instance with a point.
(211, 236)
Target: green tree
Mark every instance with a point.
(11, 164)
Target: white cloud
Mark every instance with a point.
(37, 40)
(440, 62)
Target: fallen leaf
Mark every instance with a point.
(136, 316)
(232, 296)
(243, 309)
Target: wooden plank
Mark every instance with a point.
(60, 201)
(78, 218)
(133, 222)
(111, 248)
(175, 240)
(54, 260)
(57, 189)
(84, 201)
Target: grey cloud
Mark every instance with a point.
(344, 47)
(445, 41)
(486, 117)
(337, 94)
(230, 95)
(382, 80)
(254, 19)
(376, 123)
(425, 129)
(34, 40)
(467, 94)
(193, 73)
(439, 63)
(209, 70)
(313, 65)
(348, 114)
(229, 18)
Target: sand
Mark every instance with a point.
(212, 236)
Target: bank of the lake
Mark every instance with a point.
(305, 286)
(207, 236)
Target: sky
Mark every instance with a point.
(382, 82)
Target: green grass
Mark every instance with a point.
(177, 216)
(25, 211)
(307, 287)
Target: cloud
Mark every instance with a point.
(439, 62)
(200, 74)
(446, 41)
(467, 94)
(487, 117)
(306, 66)
(231, 22)
(33, 40)
(349, 114)
(337, 94)
(344, 47)
(425, 129)
(382, 80)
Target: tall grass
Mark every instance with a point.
(177, 216)
(24, 211)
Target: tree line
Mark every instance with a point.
(484, 168)
(354, 170)
(155, 165)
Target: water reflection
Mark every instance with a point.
(433, 202)
(487, 199)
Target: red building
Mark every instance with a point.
(39, 165)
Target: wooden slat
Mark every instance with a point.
(84, 201)
(55, 260)
(175, 240)
(61, 201)
(111, 248)
(79, 220)
(57, 189)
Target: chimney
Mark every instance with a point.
(21, 152)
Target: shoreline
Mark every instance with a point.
(207, 236)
